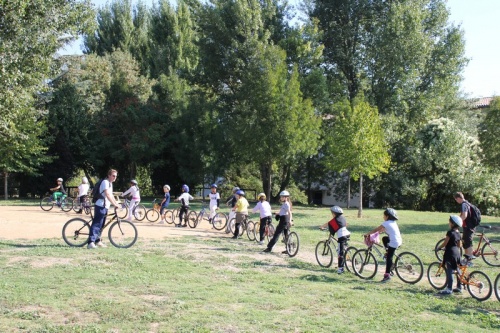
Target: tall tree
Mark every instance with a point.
(356, 143)
(31, 32)
(490, 134)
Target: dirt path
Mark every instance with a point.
(18, 222)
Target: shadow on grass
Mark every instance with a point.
(30, 246)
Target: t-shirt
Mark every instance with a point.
(339, 224)
(167, 199)
(392, 230)
(452, 251)
(214, 199)
(105, 184)
(134, 192)
(285, 207)
(264, 208)
(61, 189)
(241, 205)
(83, 189)
(184, 199)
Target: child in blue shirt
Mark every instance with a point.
(165, 202)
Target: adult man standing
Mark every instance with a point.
(467, 226)
(101, 209)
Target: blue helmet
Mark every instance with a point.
(240, 192)
(213, 185)
(185, 188)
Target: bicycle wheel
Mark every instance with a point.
(140, 212)
(232, 227)
(77, 205)
(439, 253)
(192, 219)
(497, 287)
(364, 264)
(409, 267)
(479, 286)
(200, 217)
(270, 232)
(122, 234)
(292, 244)
(76, 232)
(324, 254)
(168, 216)
(66, 204)
(349, 254)
(256, 231)
(46, 204)
(219, 221)
(490, 253)
(152, 215)
(436, 275)
(251, 230)
(122, 212)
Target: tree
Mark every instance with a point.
(356, 144)
(31, 32)
(490, 134)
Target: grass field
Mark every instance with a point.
(214, 284)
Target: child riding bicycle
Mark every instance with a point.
(136, 198)
(165, 202)
(241, 210)
(59, 191)
(285, 217)
(265, 215)
(392, 241)
(451, 257)
(338, 225)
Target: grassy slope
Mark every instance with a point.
(218, 285)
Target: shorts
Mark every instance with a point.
(467, 237)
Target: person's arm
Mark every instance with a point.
(446, 240)
(218, 202)
(378, 229)
(323, 227)
(53, 189)
(127, 192)
(464, 212)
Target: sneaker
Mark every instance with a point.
(267, 250)
(340, 270)
(457, 290)
(386, 278)
(162, 222)
(91, 245)
(234, 237)
(260, 243)
(101, 244)
(445, 292)
(184, 225)
(178, 226)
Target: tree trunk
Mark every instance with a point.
(360, 210)
(5, 185)
(348, 190)
(265, 175)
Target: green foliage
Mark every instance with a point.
(490, 134)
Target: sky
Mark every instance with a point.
(480, 20)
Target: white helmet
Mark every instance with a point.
(337, 210)
(391, 213)
(59, 179)
(236, 188)
(456, 220)
(167, 187)
(85, 180)
(261, 195)
(133, 181)
(284, 194)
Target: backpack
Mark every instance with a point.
(96, 195)
(474, 218)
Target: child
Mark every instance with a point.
(241, 210)
(83, 190)
(231, 201)
(451, 257)
(214, 202)
(136, 198)
(338, 224)
(392, 241)
(265, 215)
(184, 199)
(165, 202)
(285, 217)
(59, 191)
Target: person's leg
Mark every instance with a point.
(262, 228)
(181, 215)
(467, 242)
(232, 215)
(390, 255)
(97, 223)
(341, 241)
(279, 229)
(213, 211)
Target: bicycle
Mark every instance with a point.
(84, 206)
(121, 233)
(246, 225)
(489, 252)
(497, 287)
(292, 242)
(478, 284)
(408, 266)
(48, 202)
(139, 211)
(324, 253)
(153, 214)
(268, 231)
(218, 219)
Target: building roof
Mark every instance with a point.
(480, 103)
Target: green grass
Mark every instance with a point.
(214, 284)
